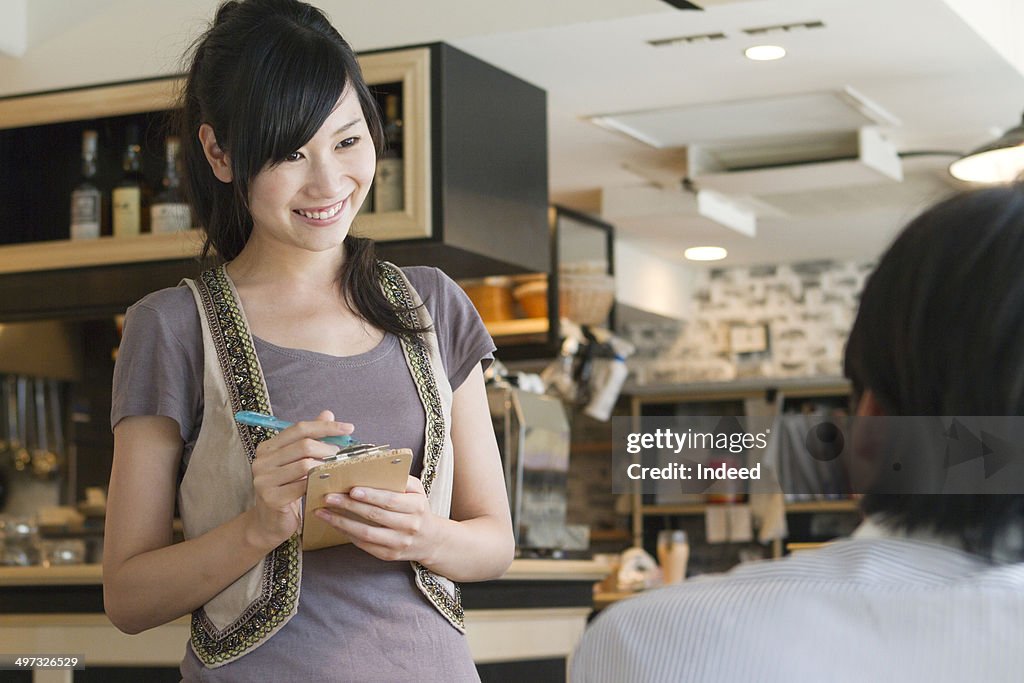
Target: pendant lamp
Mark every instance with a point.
(1000, 161)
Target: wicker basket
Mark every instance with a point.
(586, 298)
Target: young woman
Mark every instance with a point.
(281, 136)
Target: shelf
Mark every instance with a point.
(810, 506)
(845, 505)
(518, 328)
(62, 254)
(792, 387)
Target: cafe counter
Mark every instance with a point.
(521, 626)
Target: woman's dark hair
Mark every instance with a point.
(940, 332)
(265, 76)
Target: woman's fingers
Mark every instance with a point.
(308, 430)
(400, 520)
(284, 474)
(280, 496)
(364, 534)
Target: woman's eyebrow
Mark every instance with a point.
(347, 126)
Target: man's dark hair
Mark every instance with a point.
(940, 332)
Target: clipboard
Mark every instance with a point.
(379, 468)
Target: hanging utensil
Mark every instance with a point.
(22, 457)
(57, 425)
(10, 416)
(44, 460)
(56, 417)
(5, 435)
(8, 434)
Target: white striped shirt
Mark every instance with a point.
(866, 609)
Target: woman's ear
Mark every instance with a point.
(218, 159)
(868, 406)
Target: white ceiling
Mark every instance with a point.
(916, 59)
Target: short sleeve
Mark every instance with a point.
(463, 339)
(157, 372)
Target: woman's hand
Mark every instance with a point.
(388, 525)
(279, 476)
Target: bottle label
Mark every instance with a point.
(85, 214)
(127, 211)
(170, 218)
(388, 186)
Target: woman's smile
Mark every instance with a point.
(322, 215)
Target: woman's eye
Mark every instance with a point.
(294, 156)
(348, 142)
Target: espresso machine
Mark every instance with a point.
(533, 436)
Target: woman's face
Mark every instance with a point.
(309, 199)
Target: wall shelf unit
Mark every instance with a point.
(770, 395)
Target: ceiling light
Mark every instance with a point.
(705, 253)
(1000, 161)
(765, 53)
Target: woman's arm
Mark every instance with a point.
(147, 580)
(477, 543)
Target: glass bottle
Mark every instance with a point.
(169, 211)
(130, 194)
(86, 198)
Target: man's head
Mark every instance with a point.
(940, 331)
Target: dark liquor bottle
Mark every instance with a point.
(169, 211)
(389, 185)
(86, 199)
(129, 197)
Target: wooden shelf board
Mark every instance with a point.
(810, 506)
(61, 254)
(518, 327)
(790, 387)
(845, 505)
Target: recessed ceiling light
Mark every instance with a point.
(765, 53)
(705, 253)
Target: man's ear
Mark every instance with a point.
(218, 159)
(868, 406)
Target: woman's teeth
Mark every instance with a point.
(320, 215)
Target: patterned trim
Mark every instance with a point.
(415, 347)
(281, 568)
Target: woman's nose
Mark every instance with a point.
(325, 178)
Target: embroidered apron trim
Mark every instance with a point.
(395, 289)
(282, 567)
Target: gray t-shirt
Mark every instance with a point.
(359, 618)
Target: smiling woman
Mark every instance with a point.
(301, 321)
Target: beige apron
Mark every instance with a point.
(217, 484)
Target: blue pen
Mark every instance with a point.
(254, 419)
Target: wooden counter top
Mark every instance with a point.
(66, 575)
(555, 570)
(92, 574)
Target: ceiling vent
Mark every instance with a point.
(784, 28)
(766, 117)
(686, 40)
(795, 164)
(767, 145)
